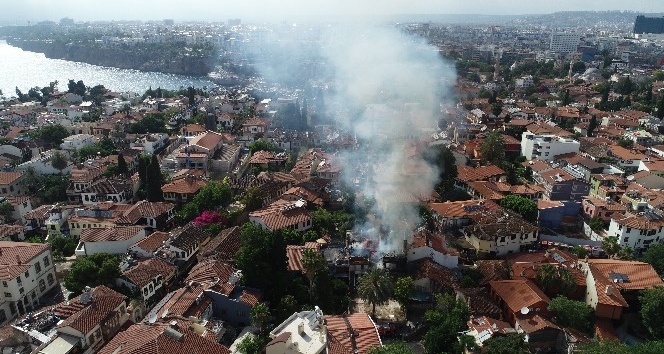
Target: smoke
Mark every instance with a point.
(386, 88)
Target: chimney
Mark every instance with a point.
(18, 259)
(609, 290)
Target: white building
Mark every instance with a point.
(149, 142)
(546, 147)
(114, 240)
(28, 273)
(301, 333)
(77, 141)
(564, 42)
(524, 81)
(637, 231)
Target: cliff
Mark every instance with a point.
(173, 58)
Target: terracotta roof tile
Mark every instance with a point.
(482, 173)
(518, 293)
(222, 247)
(84, 317)
(294, 255)
(145, 270)
(153, 241)
(184, 186)
(153, 339)
(9, 177)
(281, 214)
(354, 333)
(118, 233)
(15, 257)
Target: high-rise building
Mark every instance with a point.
(653, 25)
(564, 43)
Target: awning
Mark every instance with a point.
(63, 344)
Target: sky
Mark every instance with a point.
(220, 10)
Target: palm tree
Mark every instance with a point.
(312, 263)
(546, 276)
(611, 246)
(375, 287)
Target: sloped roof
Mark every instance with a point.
(641, 275)
(470, 174)
(117, 233)
(83, 317)
(186, 185)
(145, 270)
(281, 214)
(9, 177)
(350, 334)
(224, 246)
(154, 339)
(15, 257)
(294, 255)
(152, 242)
(518, 293)
(210, 271)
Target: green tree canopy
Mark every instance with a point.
(375, 287)
(652, 308)
(262, 145)
(53, 134)
(655, 256)
(393, 348)
(571, 313)
(154, 180)
(313, 263)
(445, 320)
(522, 205)
(596, 224)
(260, 316)
(554, 279)
(611, 246)
(510, 344)
(212, 196)
(493, 148)
(59, 161)
(404, 288)
(94, 270)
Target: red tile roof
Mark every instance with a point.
(155, 339)
(482, 173)
(281, 214)
(83, 317)
(294, 255)
(118, 233)
(210, 271)
(145, 270)
(153, 241)
(7, 178)
(641, 275)
(462, 208)
(184, 186)
(518, 293)
(15, 256)
(350, 334)
(222, 247)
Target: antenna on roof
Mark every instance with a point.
(525, 310)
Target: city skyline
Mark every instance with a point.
(207, 10)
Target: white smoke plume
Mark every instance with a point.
(386, 88)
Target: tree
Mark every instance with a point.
(262, 259)
(375, 287)
(253, 199)
(154, 180)
(312, 264)
(496, 109)
(611, 246)
(6, 211)
(592, 125)
(392, 348)
(212, 196)
(445, 320)
(493, 148)
(53, 134)
(97, 269)
(655, 256)
(63, 246)
(579, 251)
(571, 313)
(443, 158)
(404, 288)
(262, 145)
(260, 316)
(552, 279)
(626, 143)
(652, 307)
(59, 161)
(252, 344)
(122, 165)
(565, 98)
(512, 343)
(659, 108)
(522, 205)
(596, 224)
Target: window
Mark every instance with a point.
(3, 316)
(626, 239)
(50, 279)
(42, 285)
(18, 280)
(27, 274)
(37, 267)
(33, 295)
(8, 295)
(21, 290)
(4, 283)
(47, 262)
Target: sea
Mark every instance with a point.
(22, 69)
